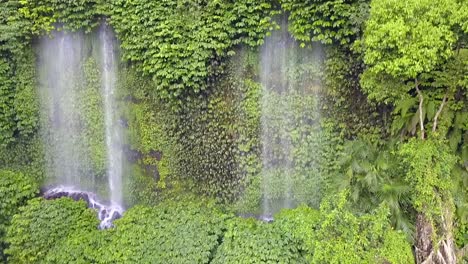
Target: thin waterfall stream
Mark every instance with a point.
(113, 130)
(290, 131)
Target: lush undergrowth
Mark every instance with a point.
(190, 231)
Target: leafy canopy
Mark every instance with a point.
(337, 21)
(406, 38)
(335, 235)
(15, 190)
(43, 224)
(184, 232)
(180, 42)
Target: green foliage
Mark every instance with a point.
(460, 195)
(250, 241)
(7, 124)
(429, 164)
(337, 21)
(461, 16)
(299, 223)
(344, 102)
(179, 42)
(335, 235)
(43, 224)
(210, 142)
(149, 121)
(63, 231)
(415, 57)
(17, 89)
(15, 29)
(293, 117)
(446, 81)
(82, 246)
(374, 175)
(25, 102)
(74, 15)
(181, 232)
(18, 101)
(405, 39)
(26, 156)
(300, 119)
(15, 190)
(91, 109)
(217, 136)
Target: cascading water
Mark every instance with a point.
(276, 145)
(60, 58)
(83, 140)
(290, 133)
(106, 213)
(113, 129)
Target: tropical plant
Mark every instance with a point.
(15, 190)
(172, 232)
(337, 21)
(335, 235)
(373, 175)
(409, 46)
(44, 224)
(251, 241)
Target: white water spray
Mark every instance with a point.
(82, 152)
(113, 129)
(290, 133)
(59, 67)
(106, 213)
(275, 120)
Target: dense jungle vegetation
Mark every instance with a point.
(389, 181)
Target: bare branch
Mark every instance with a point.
(436, 117)
(421, 101)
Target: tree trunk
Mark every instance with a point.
(426, 253)
(423, 238)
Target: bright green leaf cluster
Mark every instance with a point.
(72, 15)
(181, 43)
(429, 163)
(335, 235)
(15, 190)
(337, 21)
(42, 225)
(406, 38)
(251, 241)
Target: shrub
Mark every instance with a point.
(335, 235)
(251, 241)
(15, 190)
(43, 224)
(184, 232)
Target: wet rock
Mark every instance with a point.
(123, 122)
(155, 154)
(132, 99)
(153, 171)
(103, 214)
(116, 215)
(106, 212)
(132, 155)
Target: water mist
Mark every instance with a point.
(80, 128)
(290, 131)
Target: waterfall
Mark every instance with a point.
(290, 133)
(113, 130)
(60, 58)
(276, 145)
(82, 137)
